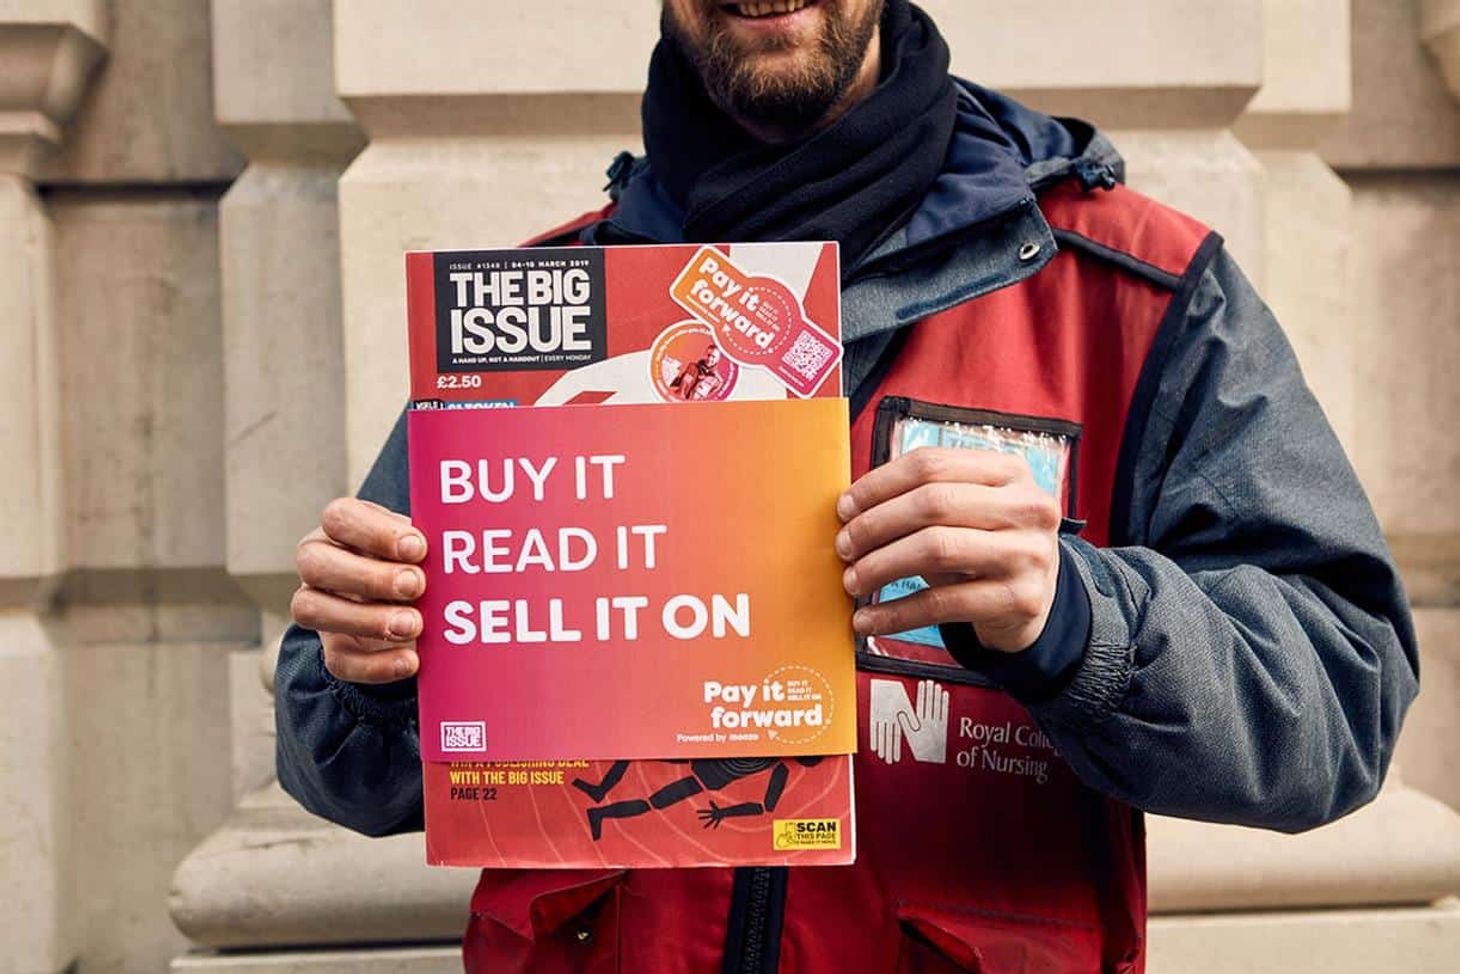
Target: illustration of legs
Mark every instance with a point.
(776, 787)
(678, 791)
(668, 795)
(715, 814)
(628, 809)
(600, 791)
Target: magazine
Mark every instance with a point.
(618, 572)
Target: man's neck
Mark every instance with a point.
(863, 85)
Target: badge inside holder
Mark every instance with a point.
(1050, 446)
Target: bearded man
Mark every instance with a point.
(1137, 571)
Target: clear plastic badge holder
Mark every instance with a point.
(1048, 455)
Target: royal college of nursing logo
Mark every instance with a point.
(895, 721)
(898, 724)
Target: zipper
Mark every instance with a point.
(757, 909)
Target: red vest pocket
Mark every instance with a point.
(544, 921)
(940, 941)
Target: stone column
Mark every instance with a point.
(283, 413)
(1429, 210)
(49, 49)
(1305, 94)
(145, 617)
(279, 251)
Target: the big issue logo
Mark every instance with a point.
(897, 724)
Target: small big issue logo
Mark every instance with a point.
(790, 834)
(505, 310)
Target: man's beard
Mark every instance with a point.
(792, 102)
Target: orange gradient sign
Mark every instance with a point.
(578, 608)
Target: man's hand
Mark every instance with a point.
(358, 570)
(973, 524)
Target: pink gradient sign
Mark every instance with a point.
(577, 609)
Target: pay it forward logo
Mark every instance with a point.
(894, 720)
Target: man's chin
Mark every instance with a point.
(780, 113)
(782, 70)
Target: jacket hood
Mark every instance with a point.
(1048, 147)
(1001, 154)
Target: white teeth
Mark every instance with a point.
(767, 8)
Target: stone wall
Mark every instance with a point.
(120, 614)
(202, 210)
(1400, 152)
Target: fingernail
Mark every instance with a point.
(411, 547)
(407, 583)
(849, 581)
(844, 544)
(862, 621)
(402, 667)
(402, 625)
(846, 507)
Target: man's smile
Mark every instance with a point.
(761, 17)
(767, 9)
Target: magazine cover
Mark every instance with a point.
(616, 327)
(591, 325)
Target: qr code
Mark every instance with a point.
(807, 355)
(468, 735)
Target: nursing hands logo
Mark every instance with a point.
(894, 718)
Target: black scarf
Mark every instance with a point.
(854, 182)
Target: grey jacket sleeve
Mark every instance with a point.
(346, 752)
(1250, 654)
